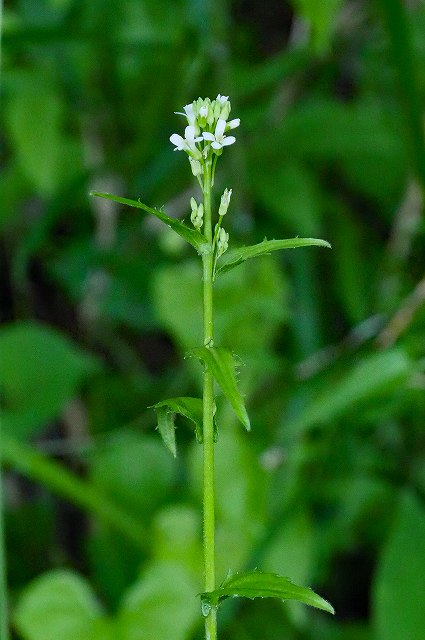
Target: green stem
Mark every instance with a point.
(208, 416)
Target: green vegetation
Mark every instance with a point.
(100, 306)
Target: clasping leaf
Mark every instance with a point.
(256, 584)
(195, 238)
(222, 364)
(190, 408)
(236, 256)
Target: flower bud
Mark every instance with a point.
(224, 202)
(196, 166)
(222, 242)
(197, 215)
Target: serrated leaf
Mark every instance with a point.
(190, 408)
(222, 364)
(195, 238)
(234, 257)
(256, 584)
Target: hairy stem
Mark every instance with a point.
(208, 416)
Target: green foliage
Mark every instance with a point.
(322, 19)
(256, 584)
(401, 575)
(236, 256)
(190, 408)
(99, 308)
(222, 364)
(193, 237)
(40, 371)
(58, 604)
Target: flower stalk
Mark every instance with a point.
(205, 138)
(204, 141)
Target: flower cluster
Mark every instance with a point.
(205, 136)
(206, 131)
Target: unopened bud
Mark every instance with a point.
(196, 166)
(224, 203)
(222, 242)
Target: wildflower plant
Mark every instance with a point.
(206, 136)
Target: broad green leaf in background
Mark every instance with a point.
(176, 539)
(322, 18)
(236, 256)
(373, 375)
(33, 114)
(133, 469)
(162, 604)
(177, 289)
(39, 468)
(399, 584)
(223, 366)
(407, 66)
(40, 371)
(59, 604)
(195, 238)
(190, 408)
(256, 584)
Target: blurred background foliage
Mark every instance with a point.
(99, 305)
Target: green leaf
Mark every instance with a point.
(195, 238)
(322, 18)
(33, 115)
(167, 428)
(406, 62)
(190, 408)
(256, 584)
(222, 364)
(40, 371)
(62, 482)
(160, 605)
(398, 609)
(133, 469)
(236, 256)
(59, 604)
(367, 380)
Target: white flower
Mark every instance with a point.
(222, 99)
(189, 113)
(188, 143)
(218, 139)
(224, 202)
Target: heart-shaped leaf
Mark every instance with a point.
(195, 238)
(223, 366)
(236, 256)
(256, 584)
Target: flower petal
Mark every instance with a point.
(228, 140)
(177, 140)
(219, 130)
(208, 136)
(216, 145)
